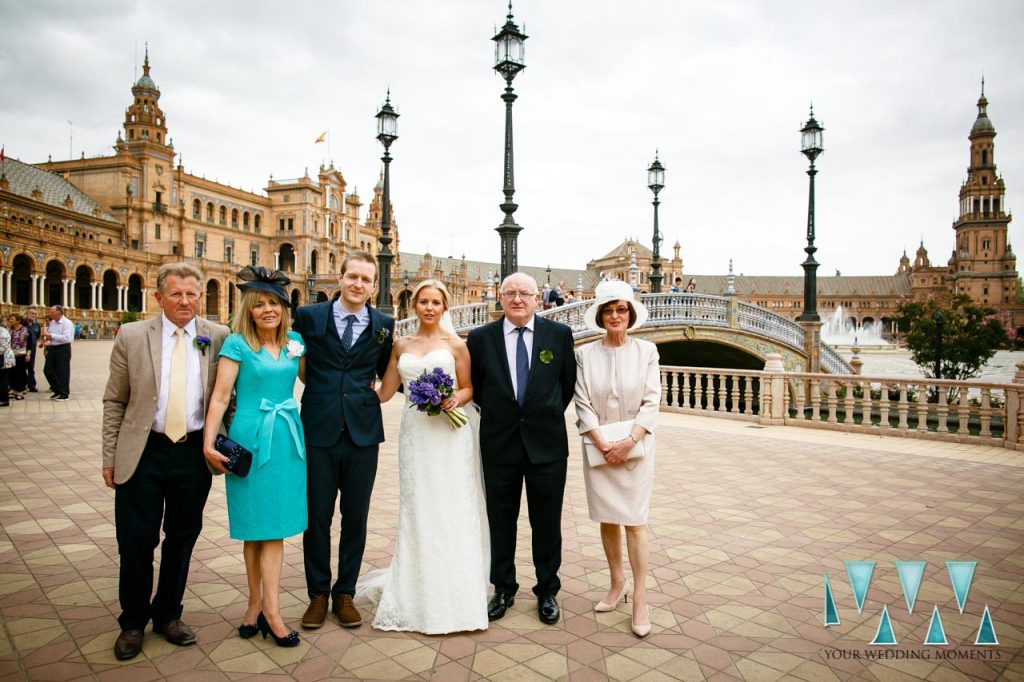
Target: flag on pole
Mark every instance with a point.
(322, 138)
(2, 157)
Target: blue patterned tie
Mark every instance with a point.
(522, 367)
(346, 337)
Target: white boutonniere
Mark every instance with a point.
(295, 349)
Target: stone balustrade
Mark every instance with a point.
(974, 412)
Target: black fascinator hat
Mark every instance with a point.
(261, 279)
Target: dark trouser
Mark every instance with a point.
(171, 482)
(4, 374)
(545, 486)
(350, 470)
(57, 368)
(30, 367)
(17, 378)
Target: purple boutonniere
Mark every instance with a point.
(202, 343)
(383, 335)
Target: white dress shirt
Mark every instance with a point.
(61, 331)
(361, 323)
(511, 338)
(194, 417)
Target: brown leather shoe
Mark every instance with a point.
(175, 632)
(346, 612)
(316, 613)
(128, 644)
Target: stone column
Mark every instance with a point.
(120, 298)
(812, 345)
(6, 285)
(144, 294)
(32, 300)
(69, 293)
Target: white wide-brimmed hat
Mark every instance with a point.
(614, 290)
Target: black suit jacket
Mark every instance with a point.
(338, 394)
(539, 425)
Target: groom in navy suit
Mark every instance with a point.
(524, 376)
(348, 345)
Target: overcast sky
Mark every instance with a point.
(719, 88)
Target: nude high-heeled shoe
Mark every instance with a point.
(602, 607)
(642, 630)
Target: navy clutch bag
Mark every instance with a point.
(239, 458)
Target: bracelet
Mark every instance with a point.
(634, 438)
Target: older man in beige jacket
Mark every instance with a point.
(161, 374)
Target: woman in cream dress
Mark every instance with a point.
(619, 380)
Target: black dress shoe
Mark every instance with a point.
(175, 632)
(128, 644)
(500, 602)
(547, 609)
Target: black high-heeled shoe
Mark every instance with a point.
(289, 640)
(245, 630)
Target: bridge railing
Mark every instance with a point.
(666, 310)
(960, 411)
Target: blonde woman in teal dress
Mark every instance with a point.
(260, 361)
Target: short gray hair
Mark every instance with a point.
(518, 274)
(183, 270)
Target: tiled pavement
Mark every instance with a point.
(744, 521)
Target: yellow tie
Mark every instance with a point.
(174, 426)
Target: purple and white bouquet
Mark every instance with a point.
(430, 390)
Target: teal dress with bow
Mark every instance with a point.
(269, 503)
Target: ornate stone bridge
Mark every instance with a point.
(689, 317)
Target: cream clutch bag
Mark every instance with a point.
(611, 433)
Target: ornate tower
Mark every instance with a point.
(144, 122)
(983, 265)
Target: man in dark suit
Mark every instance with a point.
(348, 345)
(161, 374)
(524, 376)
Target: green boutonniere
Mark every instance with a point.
(383, 335)
(546, 356)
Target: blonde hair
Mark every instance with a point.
(244, 325)
(432, 284)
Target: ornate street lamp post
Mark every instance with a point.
(509, 47)
(387, 132)
(811, 143)
(656, 181)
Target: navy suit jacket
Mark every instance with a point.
(339, 391)
(539, 425)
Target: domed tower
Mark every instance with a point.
(983, 264)
(904, 268)
(144, 122)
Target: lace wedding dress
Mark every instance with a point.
(438, 579)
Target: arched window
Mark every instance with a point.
(209, 211)
(984, 157)
(256, 222)
(197, 209)
(245, 221)
(234, 218)
(223, 215)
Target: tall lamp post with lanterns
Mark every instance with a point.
(811, 146)
(656, 181)
(509, 46)
(387, 132)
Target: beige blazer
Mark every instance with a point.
(129, 402)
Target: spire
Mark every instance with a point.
(145, 62)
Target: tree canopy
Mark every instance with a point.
(971, 335)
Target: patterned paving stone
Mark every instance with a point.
(744, 522)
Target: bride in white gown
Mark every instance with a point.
(438, 579)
